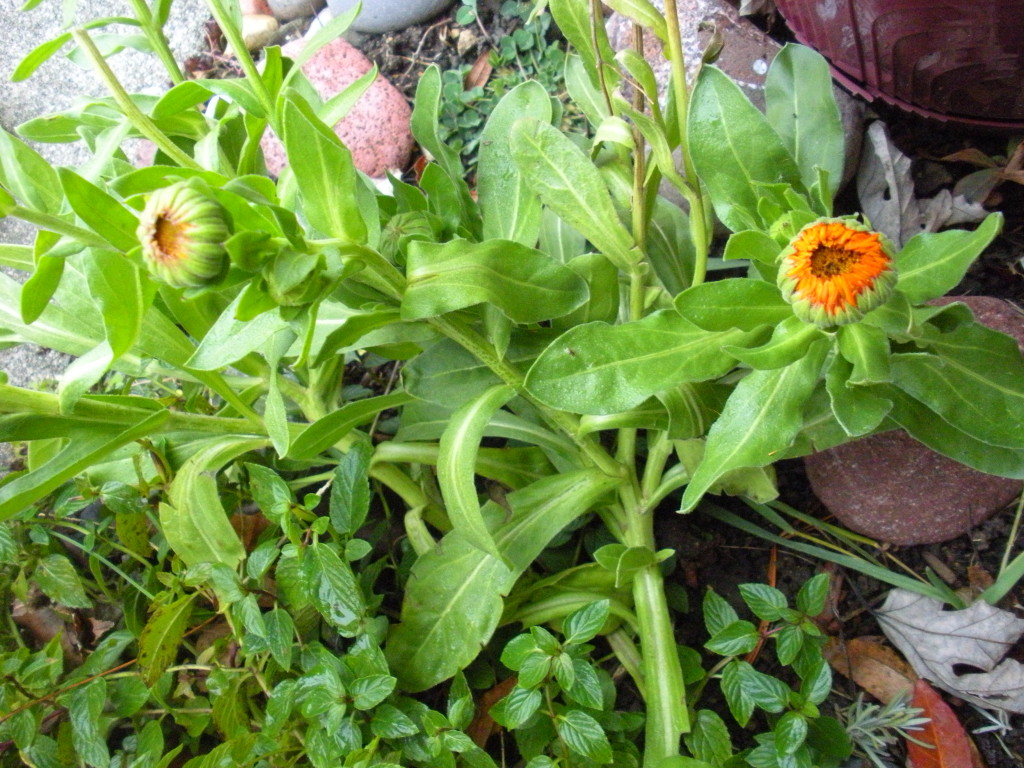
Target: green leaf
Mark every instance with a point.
(333, 588)
(789, 343)
(102, 213)
(525, 284)
(28, 176)
(766, 602)
(575, 22)
(79, 454)
(40, 287)
(811, 598)
(118, 287)
(858, 409)
(973, 378)
(425, 129)
(230, 339)
(790, 733)
(160, 639)
(368, 692)
(932, 264)
(270, 492)
(762, 417)
(801, 106)
(389, 722)
(453, 598)
(709, 740)
(712, 306)
(58, 579)
(280, 636)
(85, 705)
(456, 461)
(718, 614)
(520, 705)
(752, 245)
(599, 368)
(867, 349)
(584, 735)
(586, 689)
(583, 624)
(194, 521)
(510, 209)
(788, 642)
(330, 429)
(734, 149)
(736, 638)
(570, 185)
(350, 489)
(643, 13)
(830, 741)
(323, 171)
(924, 425)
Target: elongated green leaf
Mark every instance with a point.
(425, 127)
(525, 284)
(574, 20)
(29, 177)
(761, 418)
(160, 639)
(932, 264)
(323, 172)
(181, 97)
(858, 409)
(39, 289)
(102, 213)
(801, 107)
(230, 339)
(925, 426)
(82, 374)
(598, 368)
(454, 597)
(457, 457)
(327, 431)
(194, 521)
(584, 735)
(713, 306)
(571, 186)
(789, 342)
(80, 454)
(734, 149)
(118, 287)
(509, 208)
(644, 13)
(867, 349)
(974, 380)
(753, 245)
(333, 589)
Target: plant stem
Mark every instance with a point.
(234, 37)
(157, 40)
(141, 122)
(667, 717)
(696, 198)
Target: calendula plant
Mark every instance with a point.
(563, 356)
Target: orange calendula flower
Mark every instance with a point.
(836, 270)
(182, 231)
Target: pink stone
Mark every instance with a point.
(376, 130)
(893, 488)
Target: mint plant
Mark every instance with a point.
(563, 359)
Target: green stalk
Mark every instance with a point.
(695, 196)
(665, 692)
(234, 36)
(142, 123)
(157, 40)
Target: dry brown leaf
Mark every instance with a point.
(935, 642)
(950, 745)
(480, 72)
(874, 667)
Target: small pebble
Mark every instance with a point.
(286, 10)
(257, 31)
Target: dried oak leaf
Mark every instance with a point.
(934, 641)
(874, 667)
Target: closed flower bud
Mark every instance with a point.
(836, 270)
(183, 232)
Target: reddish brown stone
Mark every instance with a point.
(893, 488)
(376, 130)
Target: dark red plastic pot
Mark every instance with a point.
(961, 61)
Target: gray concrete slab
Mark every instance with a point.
(56, 86)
